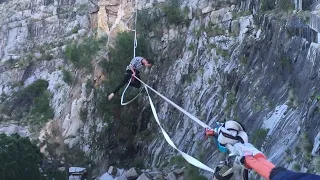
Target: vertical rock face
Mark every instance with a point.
(33, 37)
(33, 30)
(267, 79)
(30, 24)
(112, 14)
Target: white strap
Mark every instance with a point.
(135, 42)
(124, 91)
(187, 157)
(176, 106)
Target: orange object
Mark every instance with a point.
(209, 132)
(260, 164)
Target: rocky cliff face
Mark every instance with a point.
(261, 71)
(218, 60)
(34, 36)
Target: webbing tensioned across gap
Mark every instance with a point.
(187, 157)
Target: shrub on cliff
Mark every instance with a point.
(81, 54)
(173, 12)
(19, 158)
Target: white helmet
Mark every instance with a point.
(232, 132)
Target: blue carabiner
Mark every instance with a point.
(220, 147)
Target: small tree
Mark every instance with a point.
(20, 159)
(174, 14)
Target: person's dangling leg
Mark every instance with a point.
(124, 81)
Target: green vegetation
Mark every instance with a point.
(173, 13)
(259, 137)
(145, 22)
(278, 6)
(75, 29)
(289, 159)
(67, 77)
(266, 5)
(81, 54)
(285, 61)
(192, 172)
(214, 30)
(237, 14)
(285, 5)
(316, 163)
(306, 145)
(243, 60)
(296, 167)
(191, 47)
(89, 86)
(146, 135)
(187, 79)
(292, 101)
(47, 57)
(211, 46)
(124, 124)
(257, 107)
(177, 160)
(197, 31)
(121, 54)
(296, 150)
(231, 100)
(223, 53)
(19, 158)
(149, 21)
(138, 162)
(31, 102)
(83, 114)
(304, 16)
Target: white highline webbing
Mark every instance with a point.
(176, 106)
(187, 157)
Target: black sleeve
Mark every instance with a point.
(280, 173)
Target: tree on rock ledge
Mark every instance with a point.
(20, 159)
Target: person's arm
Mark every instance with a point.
(280, 173)
(131, 68)
(260, 165)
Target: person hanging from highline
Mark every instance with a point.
(249, 157)
(133, 69)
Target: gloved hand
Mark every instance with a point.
(208, 132)
(243, 150)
